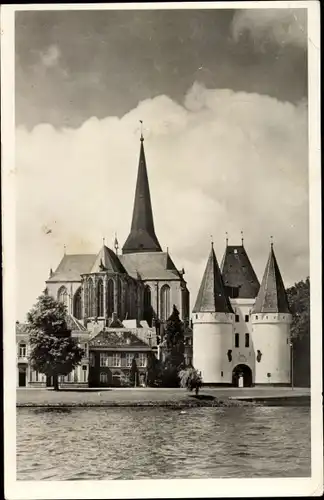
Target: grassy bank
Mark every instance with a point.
(174, 398)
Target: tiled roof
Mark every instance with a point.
(272, 297)
(107, 260)
(21, 328)
(211, 296)
(72, 266)
(74, 324)
(142, 237)
(117, 338)
(237, 272)
(150, 265)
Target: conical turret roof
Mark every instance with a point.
(107, 260)
(238, 273)
(212, 296)
(272, 297)
(142, 237)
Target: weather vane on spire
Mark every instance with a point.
(64, 247)
(271, 241)
(242, 237)
(142, 138)
(226, 238)
(212, 240)
(116, 245)
(103, 241)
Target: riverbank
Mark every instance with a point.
(148, 397)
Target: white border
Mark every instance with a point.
(199, 488)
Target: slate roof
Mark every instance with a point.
(272, 297)
(237, 271)
(74, 324)
(107, 260)
(142, 237)
(21, 328)
(212, 296)
(118, 339)
(150, 265)
(72, 266)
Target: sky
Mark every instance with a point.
(223, 98)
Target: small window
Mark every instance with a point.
(116, 359)
(129, 359)
(237, 340)
(142, 359)
(104, 359)
(86, 350)
(247, 318)
(247, 340)
(237, 318)
(22, 350)
(103, 378)
(84, 367)
(222, 374)
(92, 359)
(257, 317)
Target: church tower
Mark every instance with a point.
(142, 257)
(212, 321)
(271, 320)
(142, 237)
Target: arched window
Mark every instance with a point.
(129, 308)
(110, 298)
(103, 378)
(62, 295)
(148, 312)
(22, 350)
(165, 302)
(100, 299)
(119, 295)
(77, 304)
(90, 305)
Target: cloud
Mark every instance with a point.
(222, 161)
(50, 57)
(283, 26)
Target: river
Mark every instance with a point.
(162, 443)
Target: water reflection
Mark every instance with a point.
(137, 443)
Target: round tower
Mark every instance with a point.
(212, 321)
(271, 319)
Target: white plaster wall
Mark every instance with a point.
(212, 337)
(243, 355)
(271, 336)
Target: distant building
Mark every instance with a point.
(241, 330)
(117, 304)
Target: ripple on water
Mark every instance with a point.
(131, 443)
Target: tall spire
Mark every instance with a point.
(142, 237)
(211, 296)
(272, 297)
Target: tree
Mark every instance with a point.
(190, 379)
(53, 351)
(152, 370)
(134, 373)
(299, 303)
(173, 343)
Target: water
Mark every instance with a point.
(139, 443)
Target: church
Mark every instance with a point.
(117, 305)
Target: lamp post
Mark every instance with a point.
(291, 364)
